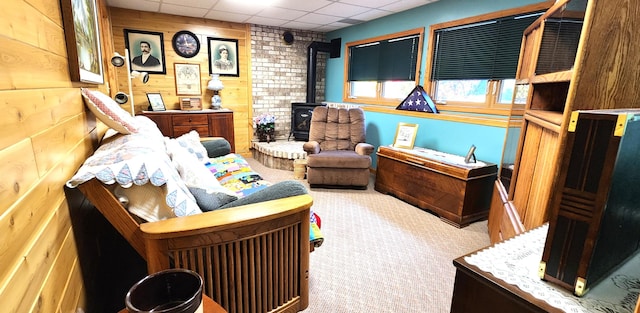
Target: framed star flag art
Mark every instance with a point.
(418, 100)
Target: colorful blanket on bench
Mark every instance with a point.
(234, 173)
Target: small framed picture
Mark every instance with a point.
(146, 51)
(405, 135)
(223, 56)
(155, 101)
(471, 156)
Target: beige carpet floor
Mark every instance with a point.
(381, 254)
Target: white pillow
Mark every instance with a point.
(191, 142)
(109, 112)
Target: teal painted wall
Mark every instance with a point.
(446, 136)
(450, 137)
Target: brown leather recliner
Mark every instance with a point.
(337, 155)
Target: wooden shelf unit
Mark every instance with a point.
(595, 69)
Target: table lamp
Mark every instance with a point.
(215, 84)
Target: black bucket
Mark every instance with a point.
(168, 291)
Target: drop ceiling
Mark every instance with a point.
(311, 15)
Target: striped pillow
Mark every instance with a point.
(109, 112)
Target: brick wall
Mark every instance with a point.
(279, 73)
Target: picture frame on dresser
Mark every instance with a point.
(405, 136)
(155, 101)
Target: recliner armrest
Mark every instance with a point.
(311, 147)
(364, 148)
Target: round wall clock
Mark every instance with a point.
(186, 44)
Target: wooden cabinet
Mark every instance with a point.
(579, 55)
(595, 217)
(208, 123)
(459, 194)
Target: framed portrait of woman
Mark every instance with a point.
(223, 56)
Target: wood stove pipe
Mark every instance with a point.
(333, 48)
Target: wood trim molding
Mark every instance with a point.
(494, 121)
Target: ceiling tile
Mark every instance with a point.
(204, 4)
(343, 10)
(227, 16)
(305, 5)
(301, 25)
(182, 10)
(319, 18)
(370, 15)
(405, 5)
(266, 21)
(237, 8)
(369, 3)
(280, 13)
(149, 6)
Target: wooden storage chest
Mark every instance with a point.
(459, 194)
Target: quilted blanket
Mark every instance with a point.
(234, 173)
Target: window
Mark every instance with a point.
(474, 61)
(384, 69)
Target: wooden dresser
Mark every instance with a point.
(460, 194)
(208, 123)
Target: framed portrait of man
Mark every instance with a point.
(223, 56)
(146, 51)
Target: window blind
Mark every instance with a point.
(483, 50)
(393, 59)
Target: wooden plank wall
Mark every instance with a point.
(45, 134)
(236, 95)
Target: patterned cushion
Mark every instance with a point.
(191, 142)
(109, 112)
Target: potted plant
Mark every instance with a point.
(265, 127)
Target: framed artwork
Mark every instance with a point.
(223, 56)
(405, 135)
(155, 101)
(82, 34)
(187, 79)
(186, 44)
(146, 51)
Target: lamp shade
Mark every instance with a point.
(117, 60)
(215, 83)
